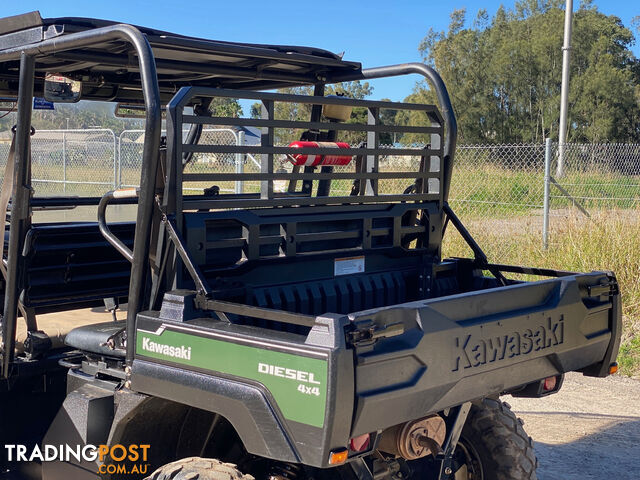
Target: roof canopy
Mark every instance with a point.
(109, 70)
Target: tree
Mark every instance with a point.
(504, 74)
(225, 107)
(302, 111)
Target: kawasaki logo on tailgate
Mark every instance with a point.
(298, 384)
(475, 352)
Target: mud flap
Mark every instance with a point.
(84, 419)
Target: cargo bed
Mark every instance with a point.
(380, 367)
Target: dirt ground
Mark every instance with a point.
(588, 430)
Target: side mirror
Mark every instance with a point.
(129, 110)
(59, 89)
(137, 110)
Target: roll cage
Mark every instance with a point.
(119, 62)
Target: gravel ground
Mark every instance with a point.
(588, 430)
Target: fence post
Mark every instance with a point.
(240, 161)
(120, 155)
(115, 162)
(64, 162)
(547, 182)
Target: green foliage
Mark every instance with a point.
(504, 74)
(225, 107)
(629, 357)
(302, 111)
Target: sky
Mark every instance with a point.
(373, 32)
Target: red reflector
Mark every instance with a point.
(360, 443)
(549, 384)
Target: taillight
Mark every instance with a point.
(549, 384)
(360, 443)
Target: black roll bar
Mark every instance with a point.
(19, 210)
(444, 102)
(153, 125)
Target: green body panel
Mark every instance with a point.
(298, 384)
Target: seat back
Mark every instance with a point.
(70, 265)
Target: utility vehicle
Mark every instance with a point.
(311, 331)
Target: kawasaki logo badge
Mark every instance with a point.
(297, 383)
(168, 350)
(475, 352)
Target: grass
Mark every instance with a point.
(629, 357)
(501, 192)
(610, 241)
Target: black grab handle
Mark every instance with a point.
(102, 219)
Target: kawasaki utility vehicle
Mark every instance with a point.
(292, 320)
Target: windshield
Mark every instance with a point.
(75, 152)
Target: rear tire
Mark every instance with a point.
(494, 446)
(196, 468)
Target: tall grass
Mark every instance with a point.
(501, 192)
(610, 241)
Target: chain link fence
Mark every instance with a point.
(131, 143)
(92, 161)
(499, 190)
(497, 180)
(70, 162)
(596, 176)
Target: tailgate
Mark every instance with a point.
(462, 347)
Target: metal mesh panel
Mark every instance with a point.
(317, 135)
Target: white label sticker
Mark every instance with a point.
(348, 266)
